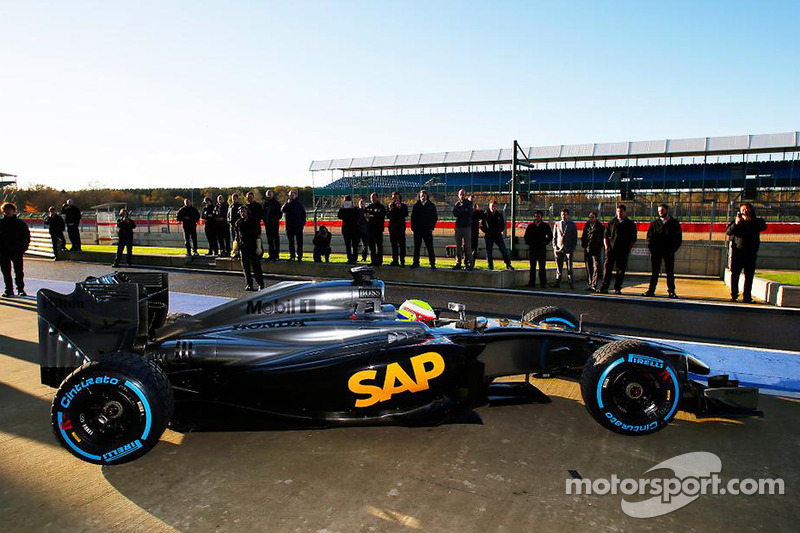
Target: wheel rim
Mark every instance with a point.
(104, 417)
(638, 396)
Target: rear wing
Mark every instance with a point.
(117, 312)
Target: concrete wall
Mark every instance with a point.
(773, 292)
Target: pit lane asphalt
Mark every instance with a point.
(758, 325)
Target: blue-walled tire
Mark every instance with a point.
(630, 387)
(112, 410)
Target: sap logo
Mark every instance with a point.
(425, 367)
(282, 307)
(644, 360)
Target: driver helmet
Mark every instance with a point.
(416, 310)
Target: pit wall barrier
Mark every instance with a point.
(773, 292)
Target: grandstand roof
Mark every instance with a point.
(699, 146)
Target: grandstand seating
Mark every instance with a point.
(670, 177)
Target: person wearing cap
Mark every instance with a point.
(272, 225)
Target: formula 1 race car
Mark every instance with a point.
(323, 354)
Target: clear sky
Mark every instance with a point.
(200, 93)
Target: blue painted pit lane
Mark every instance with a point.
(775, 372)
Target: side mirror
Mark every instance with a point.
(459, 308)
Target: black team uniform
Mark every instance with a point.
(376, 217)
(537, 236)
(188, 216)
(209, 217)
(272, 224)
(745, 241)
(664, 237)
(592, 242)
(477, 218)
(397, 214)
(295, 222)
(223, 232)
(621, 237)
(55, 225)
(494, 226)
(350, 231)
(14, 240)
(72, 218)
(423, 222)
(322, 246)
(125, 227)
(249, 231)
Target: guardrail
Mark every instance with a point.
(41, 243)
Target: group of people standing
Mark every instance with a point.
(616, 240)
(363, 226)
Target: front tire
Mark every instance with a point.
(551, 315)
(630, 387)
(112, 410)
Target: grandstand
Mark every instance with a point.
(686, 173)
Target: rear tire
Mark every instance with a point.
(551, 315)
(630, 387)
(112, 410)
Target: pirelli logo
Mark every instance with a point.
(282, 307)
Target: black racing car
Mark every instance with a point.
(308, 354)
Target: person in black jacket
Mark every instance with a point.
(620, 237)
(423, 222)
(537, 236)
(664, 237)
(745, 233)
(188, 216)
(462, 211)
(375, 215)
(295, 222)
(55, 225)
(234, 216)
(253, 207)
(493, 229)
(248, 228)
(272, 224)
(397, 213)
(209, 219)
(221, 226)
(477, 218)
(350, 215)
(72, 218)
(322, 245)
(125, 227)
(363, 229)
(14, 240)
(592, 240)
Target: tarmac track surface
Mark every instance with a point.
(755, 325)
